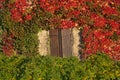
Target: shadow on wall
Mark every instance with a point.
(81, 42)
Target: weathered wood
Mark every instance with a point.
(60, 42)
(66, 42)
(55, 43)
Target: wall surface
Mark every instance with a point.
(76, 42)
(44, 45)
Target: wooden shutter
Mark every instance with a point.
(60, 42)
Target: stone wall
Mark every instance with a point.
(76, 42)
(44, 45)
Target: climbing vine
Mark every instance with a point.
(99, 19)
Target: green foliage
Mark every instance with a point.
(1, 31)
(25, 39)
(101, 67)
(96, 67)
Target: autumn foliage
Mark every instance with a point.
(99, 19)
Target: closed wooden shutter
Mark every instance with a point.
(60, 42)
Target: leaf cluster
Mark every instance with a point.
(95, 67)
